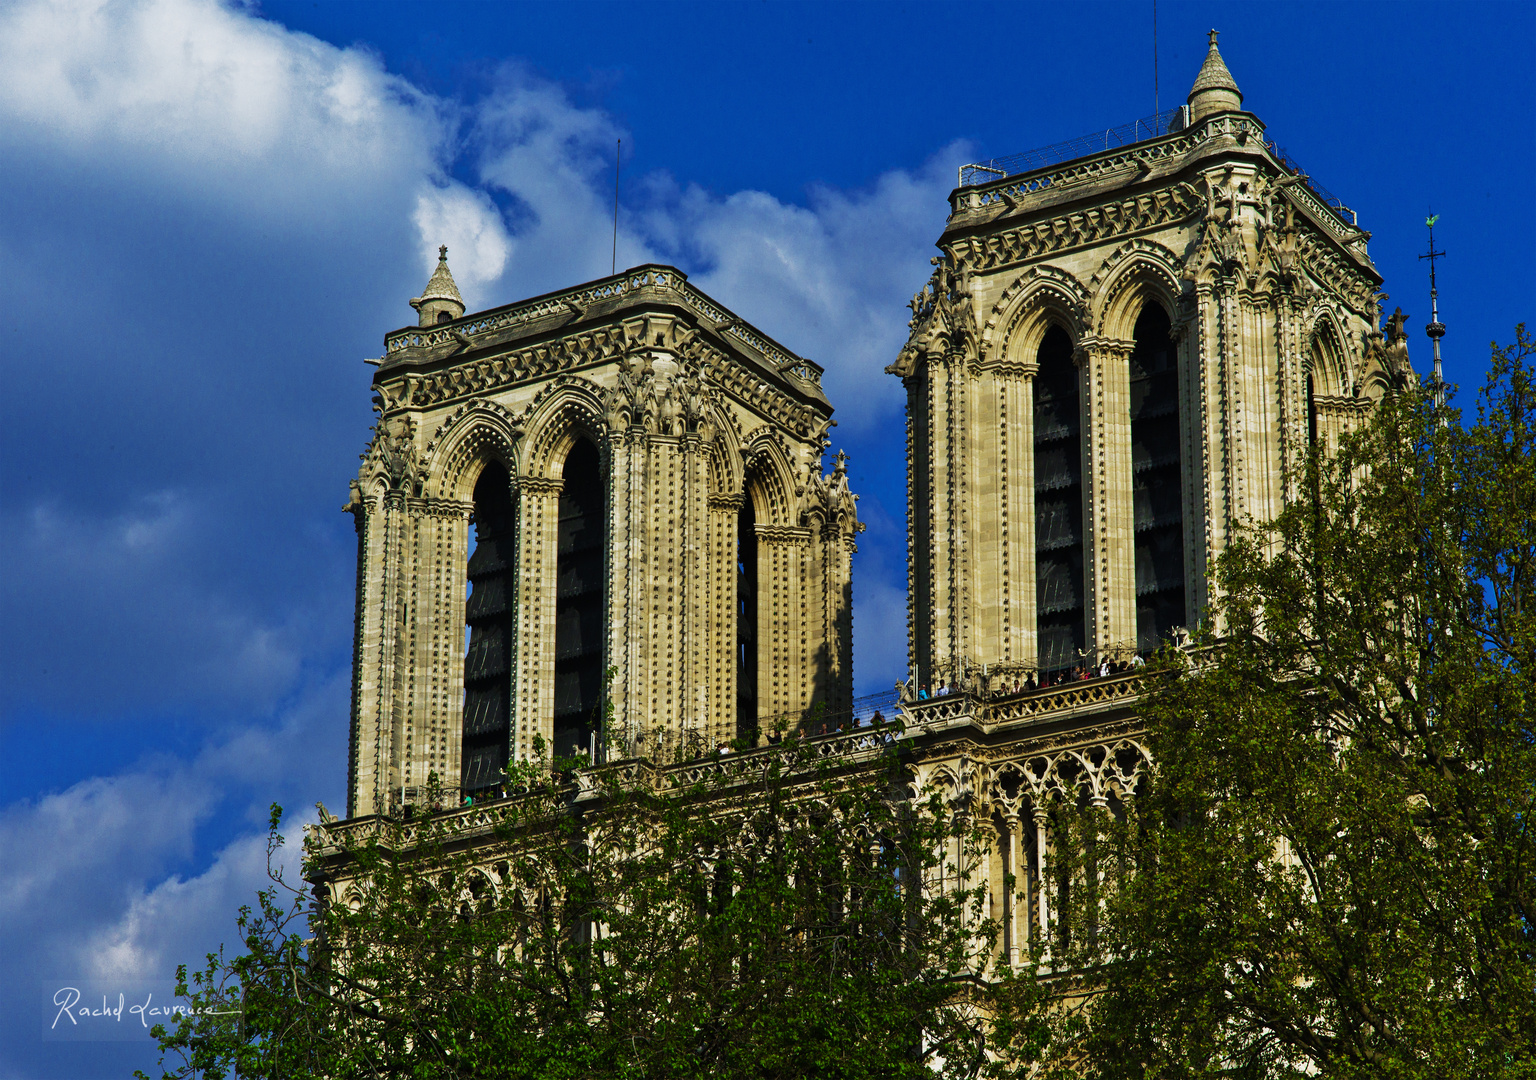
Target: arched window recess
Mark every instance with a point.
(1157, 479)
(580, 610)
(488, 648)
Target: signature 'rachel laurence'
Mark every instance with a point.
(67, 998)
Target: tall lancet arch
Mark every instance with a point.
(1058, 505)
(746, 621)
(1157, 477)
(488, 613)
(581, 545)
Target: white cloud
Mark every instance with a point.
(161, 923)
(555, 162)
(211, 99)
(831, 279)
(79, 848)
(471, 226)
(92, 886)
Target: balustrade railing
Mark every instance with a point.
(1075, 153)
(1140, 130)
(856, 743)
(1001, 707)
(569, 302)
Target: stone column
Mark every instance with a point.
(378, 668)
(1202, 348)
(627, 572)
(1109, 516)
(1043, 880)
(440, 564)
(1020, 887)
(1007, 577)
(533, 647)
(724, 509)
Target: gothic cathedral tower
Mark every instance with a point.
(587, 518)
(1119, 359)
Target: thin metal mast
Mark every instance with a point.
(1435, 329)
(617, 146)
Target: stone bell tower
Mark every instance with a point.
(1125, 347)
(626, 481)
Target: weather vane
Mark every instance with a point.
(1436, 328)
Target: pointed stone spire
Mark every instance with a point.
(1214, 90)
(440, 301)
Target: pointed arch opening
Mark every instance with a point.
(1157, 479)
(581, 546)
(1059, 616)
(746, 622)
(1311, 412)
(489, 620)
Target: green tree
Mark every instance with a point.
(1333, 874)
(773, 914)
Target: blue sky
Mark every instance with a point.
(210, 214)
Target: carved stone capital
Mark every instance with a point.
(1005, 369)
(1094, 348)
(538, 485)
(440, 508)
(783, 534)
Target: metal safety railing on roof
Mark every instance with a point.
(1148, 127)
(1329, 198)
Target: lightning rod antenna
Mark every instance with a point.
(1157, 106)
(1435, 329)
(617, 146)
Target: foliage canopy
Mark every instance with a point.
(761, 921)
(1334, 873)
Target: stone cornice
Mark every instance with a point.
(972, 206)
(1089, 226)
(1007, 369)
(1100, 197)
(600, 300)
(594, 346)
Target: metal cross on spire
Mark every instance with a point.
(1435, 329)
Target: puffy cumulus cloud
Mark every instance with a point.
(210, 99)
(115, 877)
(831, 279)
(472, 228)
(553, 163)
(161, 922)
(108, 832)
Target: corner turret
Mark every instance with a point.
(440, 301)
(1214, 90)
